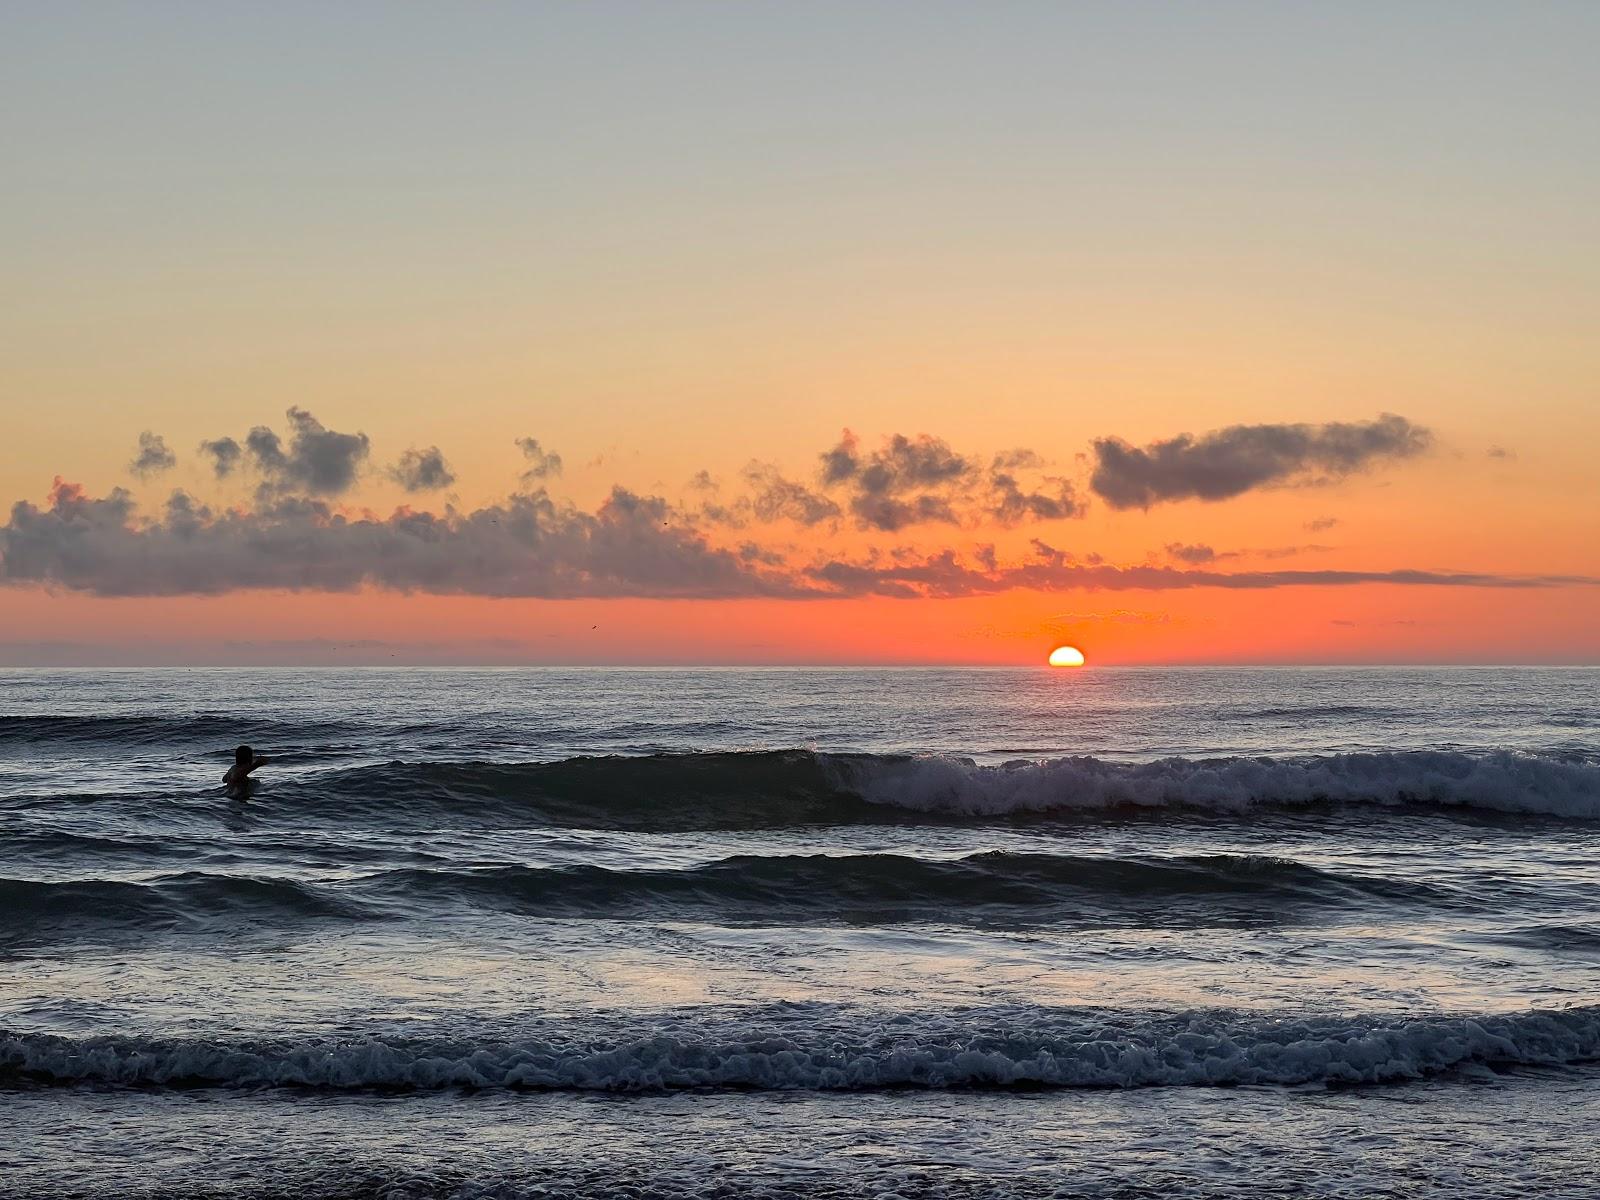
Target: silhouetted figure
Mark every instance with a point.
(237, 780)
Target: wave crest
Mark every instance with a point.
(1079, 1052)
(1498, 781)
(996, 888)
(770, 789)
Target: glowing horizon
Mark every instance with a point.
(607, 335)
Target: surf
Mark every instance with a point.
(1017, 1049)
(790, 788)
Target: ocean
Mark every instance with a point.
(897, 933)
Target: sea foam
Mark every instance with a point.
(1193, 1050)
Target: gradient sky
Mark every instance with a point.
(663, 239)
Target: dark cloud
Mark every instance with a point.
(1502, 453)
(1010, 504)
(224, 454)
(640, 546)
(530, 545)
(1231, 461)
(1321, 524)
(774, 497)
(422, 470)
(533, 545)
(318, 460)
(906, 481)
(921, 480)
(542, 464)
(902, 464)
(153, 457)
(890, 513)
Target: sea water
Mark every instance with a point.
(801, 932)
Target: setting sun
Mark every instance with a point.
(1066, 656)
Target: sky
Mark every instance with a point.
(799, 333)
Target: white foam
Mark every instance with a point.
(1199, 1051)
(1499, 781)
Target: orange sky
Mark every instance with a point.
(666, 246)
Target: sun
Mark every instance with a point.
(1066, 656)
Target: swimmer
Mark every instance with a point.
(237, 780)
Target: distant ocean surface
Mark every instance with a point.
(914, 933)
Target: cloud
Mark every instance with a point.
(902, 464)
(153, 457)
(1199, 554)
(297, 537)
(225, 454)
(944, 575)
(529, 545)
(1192, 554)
(422, 470)
(1502, 453)
(318, 460)
(776, 498)
(1321, 524)
(541, 463)
(535, 546)
(1011, 505)
(1231, 461)
(921, 480)
(1281, 551)
(906, 481)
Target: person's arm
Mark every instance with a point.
(257, 761)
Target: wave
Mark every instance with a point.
(1496, 781)
(1572, 937)
(34, 907)
(1316, 712)
(35, 730)
(1030, 1049)
(767, 789)
(991, 888)
(995, 886)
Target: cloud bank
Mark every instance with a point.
(532, 545)
(300, 535)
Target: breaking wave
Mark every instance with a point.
(769, 789)
(1026, 1049)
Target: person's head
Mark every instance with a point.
(243, 756)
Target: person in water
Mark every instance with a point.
(237, 780)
